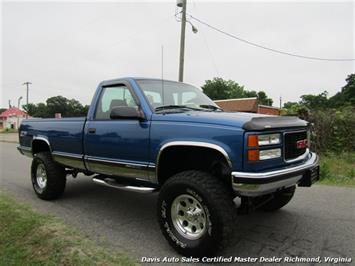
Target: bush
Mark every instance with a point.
(333, 130)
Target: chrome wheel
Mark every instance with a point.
(188, 217)
(41, 176)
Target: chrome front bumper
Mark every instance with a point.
(256, 184)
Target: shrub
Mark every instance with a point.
(333, 129)
(324, 171)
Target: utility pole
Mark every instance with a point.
(27, 86)
(27, 83)
(182, 42)
(9, 103)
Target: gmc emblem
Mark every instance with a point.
(302, 144)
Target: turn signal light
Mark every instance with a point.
(253, 141)
(253, 155)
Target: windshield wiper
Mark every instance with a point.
(212, 107)
(167, 107)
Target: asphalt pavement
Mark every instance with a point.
(319, 221)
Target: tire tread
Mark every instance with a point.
(56, 176)
(218, 195)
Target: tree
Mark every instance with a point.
(2, 110)
(30, 109)
(296, 109)
(349, 89)
(42, 111)
(85, 110)
(68, 108)
(315, 102)
(263, 99)
(220, 89)
(347, 94)
(75, 108)
(57, 104)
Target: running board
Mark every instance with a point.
(110, 183)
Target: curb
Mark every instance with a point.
(9, 141)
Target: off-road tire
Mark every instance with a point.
(276, 200)
(216, 201)
(55, 177)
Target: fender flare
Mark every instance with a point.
(41, 138)
(201, 144)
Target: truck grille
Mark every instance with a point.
(290, 142)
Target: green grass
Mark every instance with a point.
(338, 169)
(8, 130)
(30, 238)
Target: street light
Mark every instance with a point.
(18, 102)
(194, 29)
(180, 3)
(18, 106)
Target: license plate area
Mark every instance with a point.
(309, 177)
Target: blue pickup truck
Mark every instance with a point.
(151, 135)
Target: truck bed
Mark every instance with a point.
(64, 135)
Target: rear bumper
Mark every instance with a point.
(256, 184)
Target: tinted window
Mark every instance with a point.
(161, 93)
(111, 97)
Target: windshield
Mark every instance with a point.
(176, 95)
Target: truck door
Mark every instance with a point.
(116, 147)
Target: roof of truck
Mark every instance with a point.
(137, 78)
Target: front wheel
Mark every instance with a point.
(48, 178)
(196, 213)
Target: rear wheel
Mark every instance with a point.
(48, 178)
(275, 201)
(196, 213)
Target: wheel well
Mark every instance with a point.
(39, 146)
(175, 159)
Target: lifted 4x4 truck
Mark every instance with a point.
(148, 135)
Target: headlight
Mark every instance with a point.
(260, 155)
(255, 141)
(262, 140)
(269, 154)
(269, 139)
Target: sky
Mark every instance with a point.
(67, 48)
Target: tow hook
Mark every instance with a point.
(246, 206)
(74, 173)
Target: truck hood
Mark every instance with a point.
(248, 121)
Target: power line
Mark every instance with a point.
(207, 46)
(267, 48)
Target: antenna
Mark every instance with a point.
(162, 74)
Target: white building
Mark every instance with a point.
(12, 118)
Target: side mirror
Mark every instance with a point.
(126, 112)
